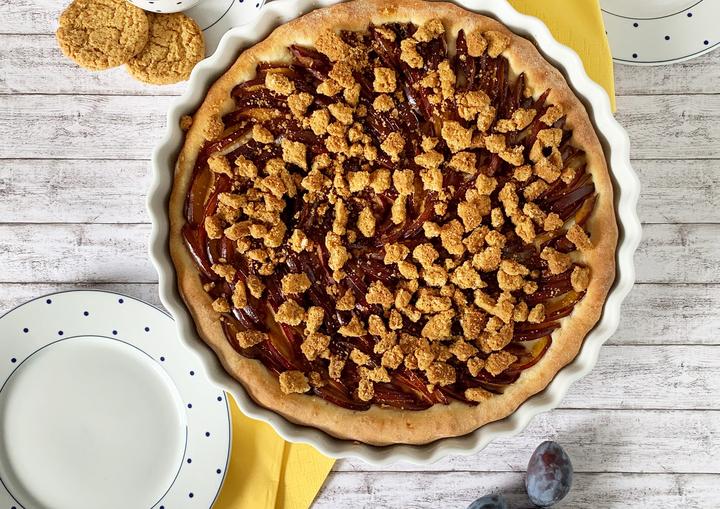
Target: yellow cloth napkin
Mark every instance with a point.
(579, 25)
(265, 472)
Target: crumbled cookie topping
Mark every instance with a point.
(402, 225)
(293, 381)
(580, 278)
(250, 338)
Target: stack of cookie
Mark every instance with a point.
(155, 48)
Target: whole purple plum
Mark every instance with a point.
(489, 502)
(549, 475)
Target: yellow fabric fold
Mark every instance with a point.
(579, 25)
(265, 472)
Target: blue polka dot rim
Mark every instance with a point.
(636, 29)
(72, 315)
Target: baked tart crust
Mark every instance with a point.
(381, 425)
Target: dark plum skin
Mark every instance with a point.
(489, 502)
(549, 474)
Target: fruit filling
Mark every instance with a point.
(391, 219)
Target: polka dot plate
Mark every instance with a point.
(661, 31)
(216, 17)
(101, 406)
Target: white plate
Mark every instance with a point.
(216, 17)
(627, 189)
(100, 406)
(644, 32)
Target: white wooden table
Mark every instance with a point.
(643, 430)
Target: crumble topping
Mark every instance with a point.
(476, 43)
(250, 338)
(409, 53)
(580, 278)
(477, 394)
(557, 262)
(293, 381)
(405, 224)
(497, 42)
(393, 145)
(279, 83)
(384, 80)
(497, 362)
(295, 283)
(577, 236)
(290, 313)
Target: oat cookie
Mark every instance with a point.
(176, 44)
(99, 34)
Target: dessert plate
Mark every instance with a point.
(216, 17)
(662, 31)
(100, 406)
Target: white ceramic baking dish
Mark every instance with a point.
(627, 188)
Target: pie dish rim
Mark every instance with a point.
(597, 103)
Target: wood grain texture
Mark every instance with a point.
(599, 441)
(697, 76)
(73, 191)
(679, 191)
(643, 429)
(81, 252)
(14, 294)
(30, 16)
(651, 377)
(41, 54)
(43, 248)
(679, 253)
(670, 315)
(127, 127)
(81, 126)
(646, 319)
(384, 490)
(113, 191)
(671, 126)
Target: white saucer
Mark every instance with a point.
(216, 17)
(644, 32)
(101, 407)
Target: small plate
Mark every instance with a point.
(100, 406)
(216, 17)
(662, 31)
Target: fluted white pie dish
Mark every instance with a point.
(626, 187)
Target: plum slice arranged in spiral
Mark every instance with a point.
(387, 218)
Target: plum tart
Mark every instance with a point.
(393, 221)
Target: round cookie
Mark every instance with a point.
(176, 44)
(99, 34)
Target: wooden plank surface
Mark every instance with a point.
(642, 429)
(653, 314)
(29, 16)
(385, 490)
(74, 191)
(661, 126)
(599, 441)
(81, 126)
(127, 127)
(114, 191)
(40, 52)
(697, 76)
(669, 253)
